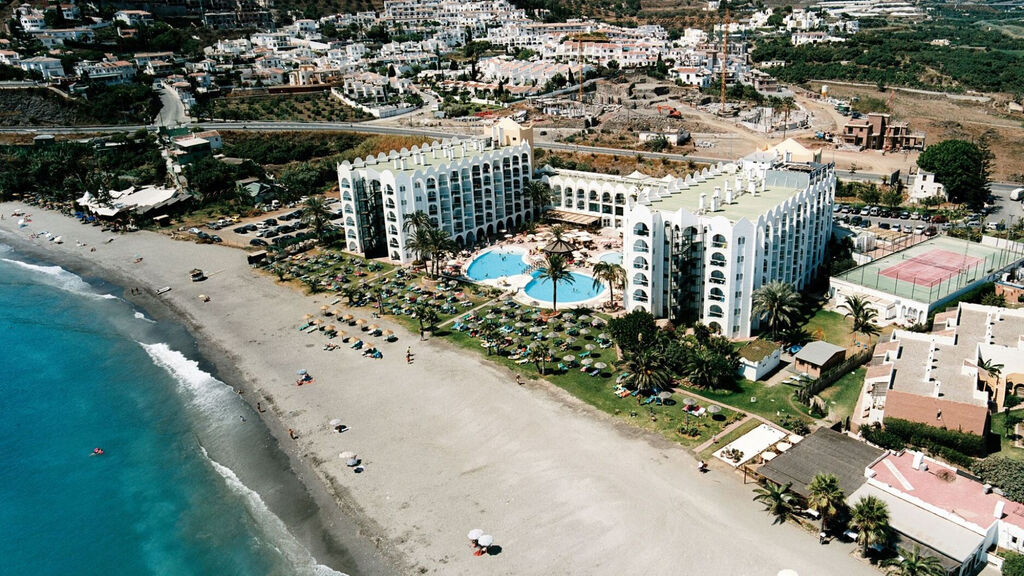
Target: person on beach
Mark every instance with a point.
(291, 434)
(519, 379)
(259, 407)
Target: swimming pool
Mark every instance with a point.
(494, 264)
(581, 289)
(613, 257)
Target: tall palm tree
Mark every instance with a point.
(316, 214)
(558, 233)
(786, 105)
(427, 316)
(352, 293)
(859, 309)
(778, 304)
(420, 243)
(826, 496)
(416, 220)
(611, 274)
(870, 520)
(914, 563)
(647, 373)
(539, 194)
(556, 269)
(539, 357)
(441, 245)
(491, 335)
(778, 500)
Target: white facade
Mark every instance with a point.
(50, 68)
(469, 188)
(925, 186)
(697, 248)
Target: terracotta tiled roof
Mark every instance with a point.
(926, 410)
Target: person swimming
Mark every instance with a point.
(97, 452)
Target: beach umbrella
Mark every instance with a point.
(491, 316)
(584, 331)
(475, 534)
(351, 462)
(307, 317)
(664, 395)
(335, 422)
(535, 315)
(336, 313)
(590, 347)
(569, 358)
(600, 365)
(520, 324)
(714, 409)
(348, 317)
(346, 455)
(550, 335)
(361, 322)
(584, 318)
(324, 310)
(587, 361)
(569, 340)
(389, 332)
(485, 540)
(373, 327)
(301, 372)
(342, 333)
(604, 336)
(535, 329)
(689, 401)
(787, 572)
(330, 328)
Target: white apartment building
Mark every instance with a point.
(626, 54)
(9, 58)
(470, 188)
(925, 187)
(133, 17)
(110, 73)
(696, 248)
(520, 72)
(50, 68)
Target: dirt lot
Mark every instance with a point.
(941, 119)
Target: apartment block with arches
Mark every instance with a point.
(474, 189)
(696, 248)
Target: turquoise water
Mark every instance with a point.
(612, 257)
(582, 288)
(494, 264)
(177, 490)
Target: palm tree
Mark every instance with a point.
(539, 357)
(556, 269)
(870, 520)
(539, 194)
(490, 334)
(778, 500)
(352, 293)
(915, 564)
(427, 316)
(778, 304)
(826, 496)
(420, 243)
(316, 214)
(994, 370)
(786, 105)
(647, 373)
(863, 315)
(416, 220)
(441, 245)
(611, 274)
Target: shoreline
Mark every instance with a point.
(449, 443)
(358, 540)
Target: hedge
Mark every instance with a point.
(1006, 473)
(878, 436)
(923, 435)
(890, 441)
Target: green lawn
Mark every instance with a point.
(842, 396)
(831, 327)
(1006, 445)
(771, 402)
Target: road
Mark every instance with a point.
(172, 113)
(1001, 189)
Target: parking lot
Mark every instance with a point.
(268, 229)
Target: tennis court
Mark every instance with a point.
(931, 270)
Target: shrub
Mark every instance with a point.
(878, 436)
(1005, 473)
(1013, 564)
(925, 436)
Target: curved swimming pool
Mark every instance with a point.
(579, 290)
(612, 257)
(494, 264)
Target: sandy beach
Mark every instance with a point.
(450, 442)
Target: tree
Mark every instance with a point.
(914, 563)
(352, 293)
(710, 365)
(786, 105)
(417, 219)
(539, 357)
(441, 245)
(961, 167)
(778, 500)
(870, 520)
(427, 316)
(316, 214)
(609, 273)
(490, 334)
(778, 304)
(891, 197)
(994, 370)
(633, 331)
(647, 373)
(1013, 564)
(826, 496)
(859, 309)
(556, 269)
(539, 194)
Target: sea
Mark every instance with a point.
(190, 482)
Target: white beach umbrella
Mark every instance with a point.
(485, 540)
(335, 422)
(351, 462)
(475, 534)
(347, 455)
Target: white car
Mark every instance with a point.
(919, 229)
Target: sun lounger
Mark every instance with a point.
(522, 361)
(358, 344)
(594, 372)
(622, 393)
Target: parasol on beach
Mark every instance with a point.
(307, 317)
(600, 365)
(373, 327)
(351, 462)
(485, 540)
(301, 372)
(330, 328)
(604, 336)
(389, 332)
(346, 455)
(664, 395)
(347, 317)
(361, 322)
(324, 310)
(475, 534)
(590, 347)
(584, 331)
(342, 333)
(714, 409)
(569, 358)
(689, 402)
(336, 313)
(587, 361)
(335, 422)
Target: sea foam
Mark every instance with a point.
(62, 279)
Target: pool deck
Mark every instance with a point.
(516, 284)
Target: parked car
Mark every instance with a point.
(919, 229)
(258, 242)
(904, 215)
(939, 219)
(915, 216)
(883, 226)
(856, 220)
(907, 228)
(864, 211)
(930, 231)
(216, 238)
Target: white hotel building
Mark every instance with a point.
(697, 248)
(471, 188)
